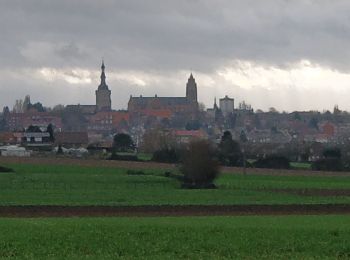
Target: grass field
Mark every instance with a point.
(296, 237)
(77, 185)
(300, 165)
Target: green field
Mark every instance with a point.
(76, 185)
(301, 165)
(296, 237)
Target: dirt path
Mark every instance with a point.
(164, 166)
(154, 211)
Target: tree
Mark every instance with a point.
(122, 143)
(332, 153)
(193, 125)
(37, 106)
(166, 155)
(201, 107)
(229, 150)
(296, 116)
(199, 166)
(313, 123)
(243, 139)
(273, 110)
(58, 108)
(157, 139)
(51, 132)
(33, 129)
(273, 162)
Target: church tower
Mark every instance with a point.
(103, 94)
(191, 89)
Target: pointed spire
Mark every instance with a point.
(103, 75)
(103, 84)
(103, 66)
(215, 105)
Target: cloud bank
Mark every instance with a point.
(292, 55)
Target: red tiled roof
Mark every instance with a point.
(117, 117)
(162, 113)
(193, 133)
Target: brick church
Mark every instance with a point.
(187, 104)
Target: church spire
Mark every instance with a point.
(103, 94)
(215, 105)
(103, 84)
(103, 75)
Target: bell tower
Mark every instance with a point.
(191, 89)
(103, 94)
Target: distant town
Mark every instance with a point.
(149, 120)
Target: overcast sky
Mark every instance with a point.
(287, 54)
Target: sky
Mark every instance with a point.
(287, 54)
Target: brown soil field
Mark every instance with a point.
(154, 165)
(154, 211)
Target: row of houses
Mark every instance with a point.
(42, 139)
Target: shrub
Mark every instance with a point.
(273, 162)
(332, 153)
(328, 164)
(199, 166)
(5, 169)
(126, 157)
(123, 143)
(166, 155)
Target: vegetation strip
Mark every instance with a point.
(163, 166)
(188, 210)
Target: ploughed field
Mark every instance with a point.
(49, 184)
(253, 237)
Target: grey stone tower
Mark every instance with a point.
(103, 94)
(191, 89)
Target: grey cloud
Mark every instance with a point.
(70, 51)
(167, 36)
(177, 34)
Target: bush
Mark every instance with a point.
(199, 166)
(5, 169)
(273, 162)
(126, 157)
(332, 153)
(328, 164)
(122, 143)
(166, 155)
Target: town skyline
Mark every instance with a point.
(260, 52)
(210, 106)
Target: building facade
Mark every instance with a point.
(226, 105)
(187, 104)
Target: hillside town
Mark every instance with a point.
(31, 126)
